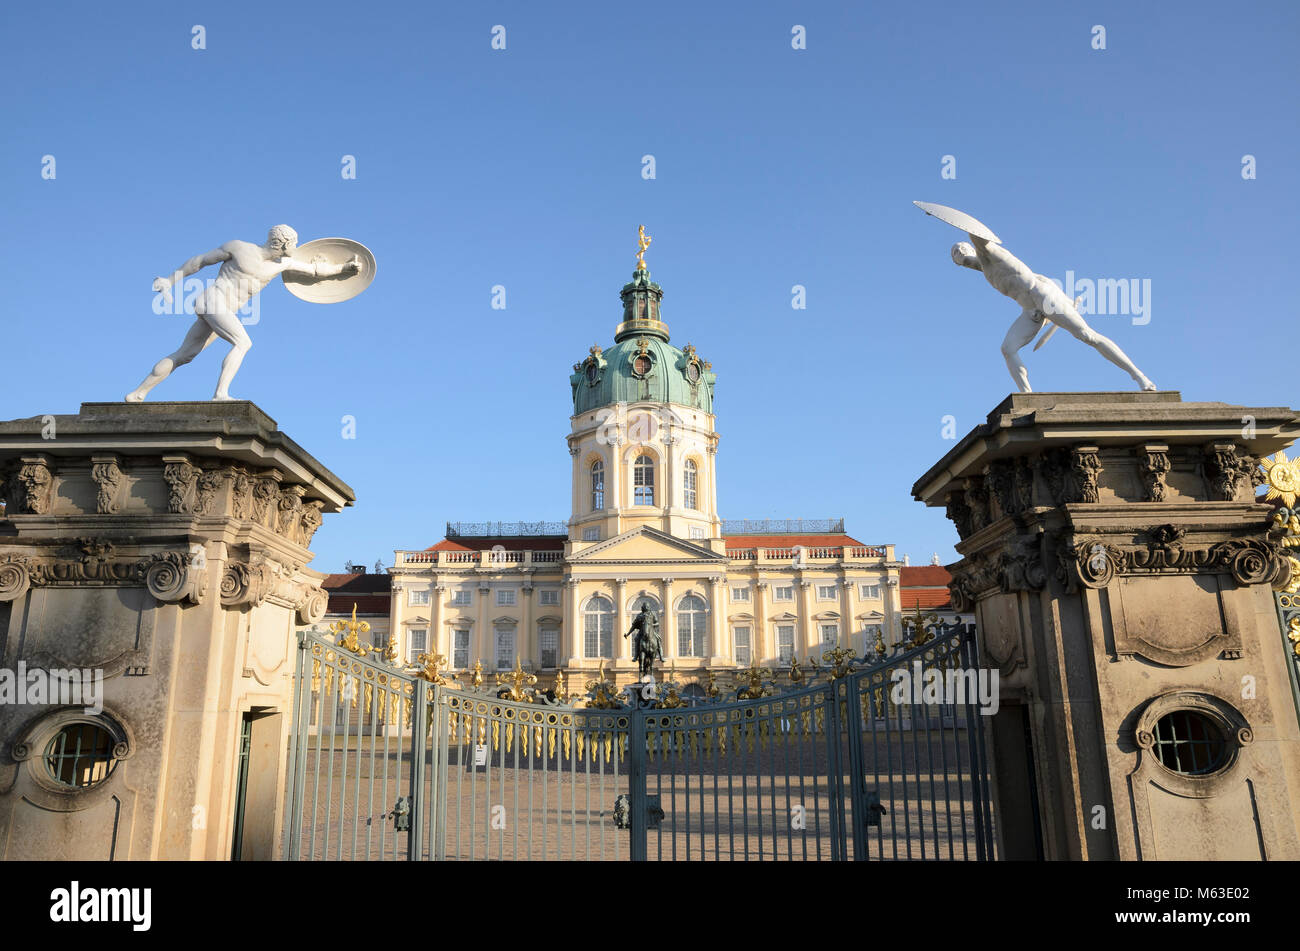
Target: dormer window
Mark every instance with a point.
(641, 365)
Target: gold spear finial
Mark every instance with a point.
(643, 242)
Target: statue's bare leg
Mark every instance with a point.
(230, 329)
(1068, 319)
(1019, 334)
(198, 337)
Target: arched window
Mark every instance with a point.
(643, 481)
(597, 485)
(690, 482)
(692, 619)
(598, 628)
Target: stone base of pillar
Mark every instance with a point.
(1120, 570)
(162, 546)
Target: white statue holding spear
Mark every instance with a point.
(246, 268)
(1039, 297)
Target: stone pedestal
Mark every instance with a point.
(1121, 574)
(164, 545)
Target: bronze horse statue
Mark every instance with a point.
(647, 646)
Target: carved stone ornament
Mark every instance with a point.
(241, 494)
(309, 522)
(312, 606)
(1153, 463)
(180, 478)
(171, 577)
(29, 490)
(1227, 470)
(107, 475)
(246, 585)
(15, 576)
(1001, 480)
(960, 514)
(1085, 468)
(1024, 483)
(977, 497)
(960, 595)
(266, 493)
(210, 481)
(290, 512)
(1022, 569)
(1095, 563)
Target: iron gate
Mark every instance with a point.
(393, 762)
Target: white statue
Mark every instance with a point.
(246, 268)
(1039, 297)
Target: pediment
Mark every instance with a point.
(646, 545)
(872, 616)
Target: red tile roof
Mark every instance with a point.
(929, 598)
(790, 541)
(369, 604)
(508, 542)
(925, 576)
(358, 582)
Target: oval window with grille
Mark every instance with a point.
(1189, 743)
(81, 755)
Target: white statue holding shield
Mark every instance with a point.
(246, 268)
(1039, 297)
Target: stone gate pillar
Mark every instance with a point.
(163, 546)
(1121, 574)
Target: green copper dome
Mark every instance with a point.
(642, 365)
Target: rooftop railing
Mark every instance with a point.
(504, 529)
(782, 526)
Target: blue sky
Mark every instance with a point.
(522, 167)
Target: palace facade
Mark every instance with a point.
(644, 527)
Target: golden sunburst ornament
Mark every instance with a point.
(1283, 478)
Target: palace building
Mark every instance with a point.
(644, 527)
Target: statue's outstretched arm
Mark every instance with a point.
(192, 266)
(322, 268)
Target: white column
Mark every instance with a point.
(846, 618)
(614, 490)
(758, 637)
(623, 645)
(436, 635)
(671, 488)
(720, 646)
(805, 617)
(479, 640)
(526, 638)
(576, 492)
(893, 623)
(713, 481)
(669, 626)
(395, 616)
(572, 629)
